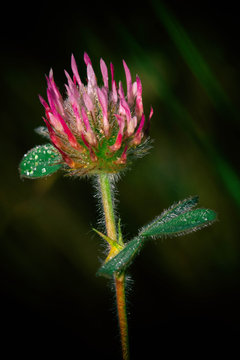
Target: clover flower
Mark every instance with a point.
(96, 128)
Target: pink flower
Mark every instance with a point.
(96, 128)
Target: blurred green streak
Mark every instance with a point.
(192, 57)
(179, 112)
(203, 73)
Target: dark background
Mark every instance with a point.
(184, 294)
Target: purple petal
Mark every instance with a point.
(88, 102)
(72, 87)
(129, 83)
(75, 71)
(54, 96)
(55, 122)
(138, 135)
(71, 138)
(139, 104)
(55, 140)
(89, 132)
(50, 112)
(126, 109)
(141, 124)
(121, 91)
(121, 121)
(148, 123)
(85, 119)
(151, 113)
(92, 81)
(104, 105)
(44, 103)
(76, 110)
(87, 59)
(112, 71)
(116, 146)
(123, 158)
(114, 96)
(104, 71)
(53, 86)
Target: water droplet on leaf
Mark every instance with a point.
(49, 161)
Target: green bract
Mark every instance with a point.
(40, 161)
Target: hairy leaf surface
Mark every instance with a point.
(179, 219)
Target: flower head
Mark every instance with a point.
(95, 128)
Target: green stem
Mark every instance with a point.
(122, 313)
(107, 201)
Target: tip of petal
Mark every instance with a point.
(75, 71)
(43, 102)
(112, 70)
(67, 74)
(104, 71)
(51, 74)
(127, 71)
(139, 85)
(129, 82)
(73, 61)
(87, 59)
(151, 113)
(124, 64)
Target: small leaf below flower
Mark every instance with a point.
(40, 161)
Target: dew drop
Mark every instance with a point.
(43, 170)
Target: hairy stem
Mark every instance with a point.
(108, 208)
(122, 314)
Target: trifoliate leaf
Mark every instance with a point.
(184, 223)
(40, 161)
(179, 219)
(123, 259)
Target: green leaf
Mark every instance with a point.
(175, 210)
(123, 259)
(184, 223)
(40, 161)
(179, 219)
